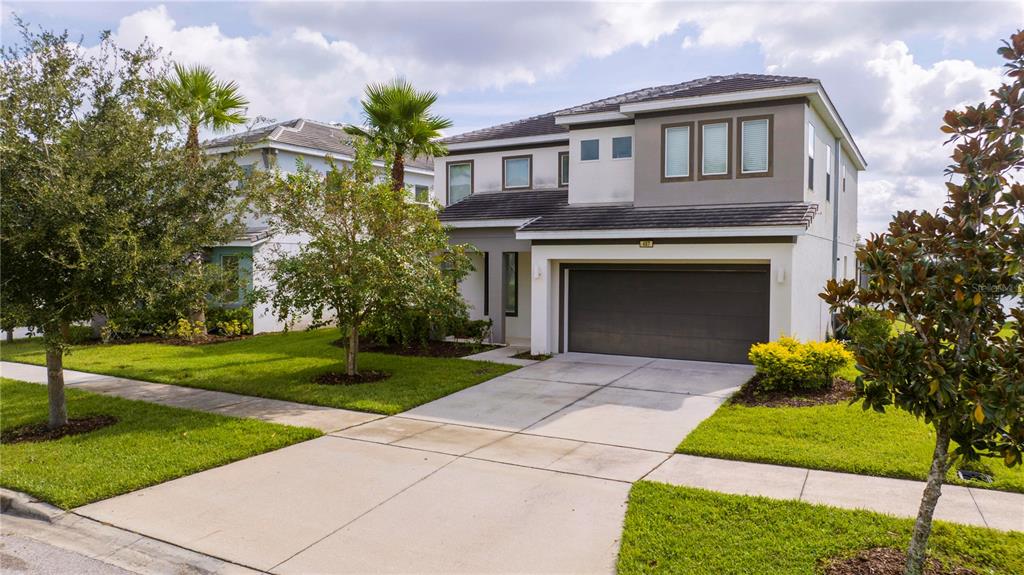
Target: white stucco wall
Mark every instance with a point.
(605, 179)
(487, 169)
(472, 287)
(545, 283)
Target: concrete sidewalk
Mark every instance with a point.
(982, 507)
(326, 419)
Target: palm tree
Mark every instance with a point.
(399, 124)
(199, 100)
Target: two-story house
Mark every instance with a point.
(682, 221)
(278, 147)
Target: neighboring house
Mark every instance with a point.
(279, 146)
(683, 221)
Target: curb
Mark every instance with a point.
(23, 505)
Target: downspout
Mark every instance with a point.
(835, 206)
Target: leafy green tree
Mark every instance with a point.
(99, 206)
(944, 274)
(368, 247)
(398, 123)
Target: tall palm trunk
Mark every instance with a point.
(192, 142)
(398, 170)
(932, 491)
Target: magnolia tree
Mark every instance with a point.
(946, 275)
(99, 207)
(369, 250)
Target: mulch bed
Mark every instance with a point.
(751, 396)
(531, 357)
(40, 432)
(337, 378)
(887, 561)
(430, 349)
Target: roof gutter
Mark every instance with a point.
(745, 231)
(508, 142)
(495, 223)
(306, 151)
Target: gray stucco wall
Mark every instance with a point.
(785, 183)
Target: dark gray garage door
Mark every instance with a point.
(706, 313)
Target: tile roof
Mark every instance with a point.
(576, 217)
(505, 205)
(331, 138)
(544, 124)
(549, 210)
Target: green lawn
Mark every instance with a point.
(149, 444)
(837, 437)
(279, 366)
(680, 530)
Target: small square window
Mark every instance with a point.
(622, 147)
(590, 150)
(421, 194)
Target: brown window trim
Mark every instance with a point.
(447, 176)
(562, 181)
(729, 146)
(771, 146)
(669, 179)
(519, 157)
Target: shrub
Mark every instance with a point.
(476, 330)
(868, 327)
(786, 364)
(231, 322)
(182, 329)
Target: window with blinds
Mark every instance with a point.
(715, 149)
(754, 136)
(518, 172)
(460, 181)
(677, 152)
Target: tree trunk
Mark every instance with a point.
(55, 386)
(398, 171)
(10, 336)
(352, 351)
(932, 491)
(198, 314)
(192, 143)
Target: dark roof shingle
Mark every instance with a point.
(544, 124)
(568, 218)
(505, 205)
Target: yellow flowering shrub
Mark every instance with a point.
(788, 364)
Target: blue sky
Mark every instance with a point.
(891, 68)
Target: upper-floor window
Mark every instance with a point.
(563, 168)
(828, 172)
(755, 154)
(590, 150)
(622, 147)
(460, 180)
(516, 172)
(676, 159)
(714, 148)
(810, 155)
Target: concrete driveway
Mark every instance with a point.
(528, 472)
